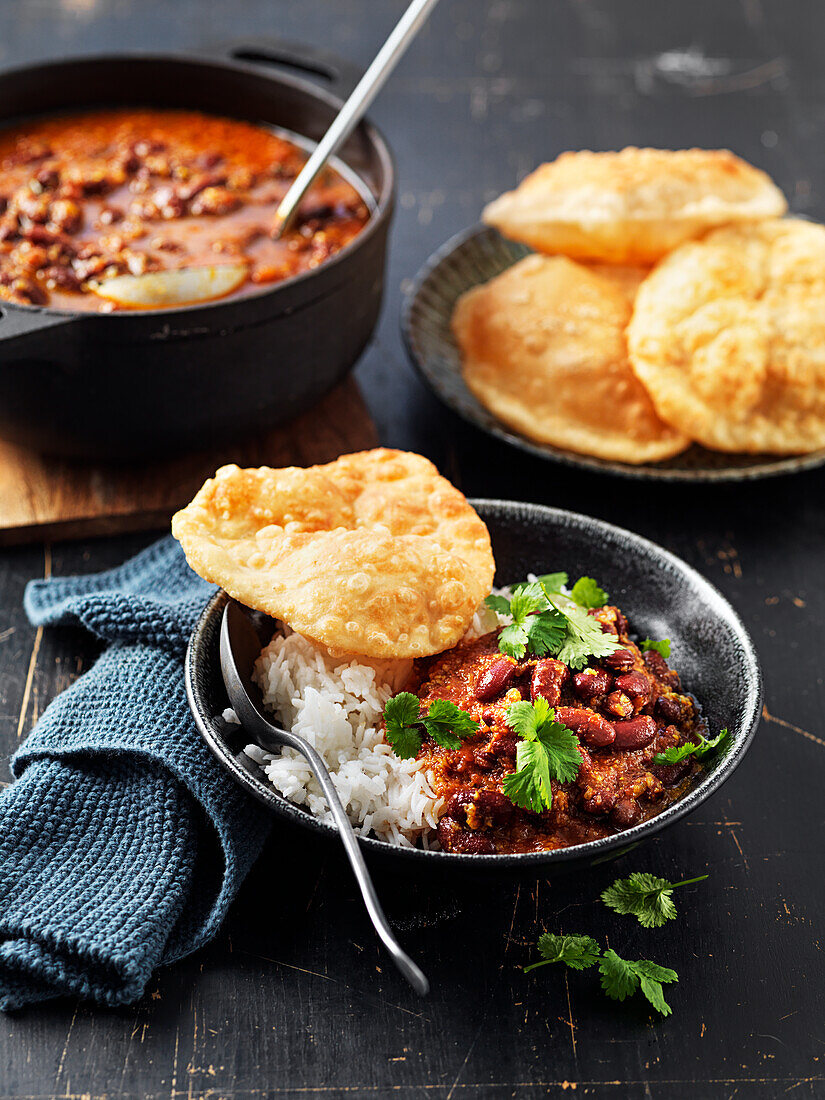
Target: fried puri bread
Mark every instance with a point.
(543, 348)
(374, 554)
(633, 206)
(728, 336)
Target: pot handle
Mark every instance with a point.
(339, 75)
(17, 324)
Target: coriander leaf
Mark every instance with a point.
(448, 724)
(553, 582)
(675, 754)
(618, 978)
(525, 718)
(526, 599)
(529, 785)
(562, 748)
(707, 746)
(651, 977)
(646, 897)
(499, 604)
(703, 748)
(587, 593)
(402, 714)
(662, 647)
(584, 638)
(653, 991)
(545, 632)
(576, 951)
(512, 641)
(647, 969)
(621, 978)
(548, 750)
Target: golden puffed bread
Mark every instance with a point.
(374, 554)
(543, 348)
(633, 206)
(728, 336)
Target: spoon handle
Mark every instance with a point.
(408, 968)
(355, 107)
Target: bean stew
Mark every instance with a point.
(624, 708)
(123, 192)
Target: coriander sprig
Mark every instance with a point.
(646, 897)
(443, 721)
(701, 749)
(548, 621)
(576, 951)
(547, 750)
(661, 647)
(620, 978)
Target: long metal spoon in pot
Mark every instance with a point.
(240, 646)
(161, 289)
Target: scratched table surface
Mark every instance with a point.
(294, 997)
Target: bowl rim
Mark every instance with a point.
(776, 466)
(595, 850)
(384, 201)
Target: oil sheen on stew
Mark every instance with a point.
(86, 197)
(624, 708)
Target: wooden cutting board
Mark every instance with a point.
(48, 498)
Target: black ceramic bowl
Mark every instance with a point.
(474, 257)
(662, 597)
(135, 384)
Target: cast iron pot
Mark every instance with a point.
(127, 385)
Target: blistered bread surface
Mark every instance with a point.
(374, 554)
(728, 336)
(632, 206)
(543, 348)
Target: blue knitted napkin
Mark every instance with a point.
(122, 843)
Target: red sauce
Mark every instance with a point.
(634, 698)
(85, 197)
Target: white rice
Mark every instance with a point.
(337, 704)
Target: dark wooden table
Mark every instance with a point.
(294, 998)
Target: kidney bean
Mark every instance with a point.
(671, 773)
(490, 805)
(594, 730)
(215, 200)
(494, 680)
(619, 704)
(549, 676)
(607, 617)
(671, 707)
(626, 812)
(62, 277)
(661, 670)
(593, 681)
(634, 733)
(48, 178)
(635, 684)
(598, 803)
(473, 844)
(66, 215)
(504, 746)
(621, 660)
(454, 838)
(187, 191)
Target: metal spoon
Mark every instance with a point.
(355, 108)
(240, 647)
(159, 289)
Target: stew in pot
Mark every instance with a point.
(85, 198)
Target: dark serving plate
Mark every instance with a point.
(660, 594)
(477, 255)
